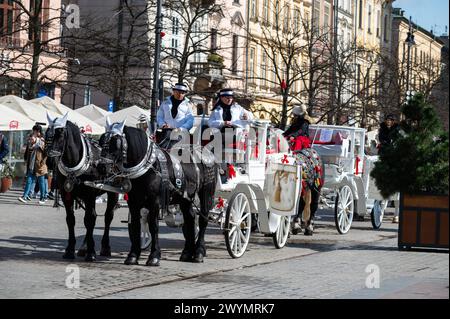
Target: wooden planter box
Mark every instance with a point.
(423, 222)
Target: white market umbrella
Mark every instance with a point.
(11, 120)
(90, 127)
(132, 114)
(92, 112)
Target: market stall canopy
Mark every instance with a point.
(132, 114)
(89, 126)
(92, 112)
(26, 108)
(11, 120)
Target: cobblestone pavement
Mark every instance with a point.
(327, 265)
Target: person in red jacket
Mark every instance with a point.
(298, 132)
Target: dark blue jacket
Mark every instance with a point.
(4, 148)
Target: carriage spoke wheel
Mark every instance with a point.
(280, 237)
(377, 213)
(344, 209)
(146, 237)
(238, 223)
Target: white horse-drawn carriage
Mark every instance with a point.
(266, 182)
(348, 186)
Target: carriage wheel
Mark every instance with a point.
(146, 237)
(377, 213)
(344, 209)
(280, 237)
(238, 222)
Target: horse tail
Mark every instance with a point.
(209, 187)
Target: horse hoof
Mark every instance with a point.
(153, 262)
(186, 257)
(105, 252)
(69, 255)
(199, 258)
(90, 257)
(308, 232)
(131, 260)
(81, 252)
(295, 232)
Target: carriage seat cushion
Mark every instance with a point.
(337, 137)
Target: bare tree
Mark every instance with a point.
(298, 52)
(30, 46)
(117, 63)
(189, 21)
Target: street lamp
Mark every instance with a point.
(156, 79)
(410, 43)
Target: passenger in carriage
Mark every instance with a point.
(298, 132)
(228, 113)
(175, 113)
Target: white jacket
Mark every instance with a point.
(184, 118)
(237, 117)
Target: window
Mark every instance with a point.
(378, 23)
(266, 11)
(358, 78)
(296, 20)
(234, 58)
(316, 15)
(369, 19)
(264, 70)
(287, 19)
(361, 13)
(175, 26)
(253, 9)
(44, 16)
(6, 17)
(174, 47)
(213, 40)
(326, 18)
(376, 83)
(385, 36)
(252, 64)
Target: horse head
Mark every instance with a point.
(113, 143)
(55, 136)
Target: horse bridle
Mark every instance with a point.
(138, 170)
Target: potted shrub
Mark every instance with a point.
(416, 166)
(6, 175)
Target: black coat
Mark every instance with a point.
(387, 135)
(300, 127)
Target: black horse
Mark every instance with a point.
(155, 186)
(76, 158)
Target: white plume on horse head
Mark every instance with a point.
(108, 124)
(57, 122)
(117, 128)
(50, 119)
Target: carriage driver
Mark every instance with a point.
(176, 111)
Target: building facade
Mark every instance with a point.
(31, 62)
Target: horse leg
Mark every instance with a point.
(70, 221)
(315, 197)
(134, 229)
(307, 213)
(205, 206)
(109, 215)
(90, 217)
(153, 224)
(296, 225)
(188, 231)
